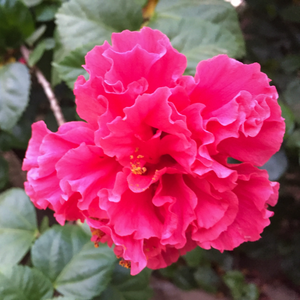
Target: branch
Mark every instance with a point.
(47, 89)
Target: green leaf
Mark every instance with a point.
(184, 278)
(288, 115)
(24, 283)
(18, 136)
(18, 226)
(88, 273)
(44, 224)
(195, 257)
(292, 97)
(16, 23)
(71, 66)
(36, 35)
(81, 22)
(32, 2)
(14, 93)
(123, 286)
(207, 279)
(240, 290)
(200, 29)
(73, 264)
(293, 140)
(37, 53)
(3, 172)
(55, 248)
(46, 12)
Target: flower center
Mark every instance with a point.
(135, 166)
(137, 169)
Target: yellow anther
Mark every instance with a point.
(125, 263)
(136, 169)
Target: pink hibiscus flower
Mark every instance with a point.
(149, 169)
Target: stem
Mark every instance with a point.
(47, 89)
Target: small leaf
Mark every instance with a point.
(87, 21)
(17, 225)
(68, 257)
(37, 53)
(44, 224)
(3, 172)
(36, 35)
(24, 283)
(123, 286)
(14, 93)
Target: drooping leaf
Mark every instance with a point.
(24, 283)
(70, 260)
(18, 226)
(16, 23)
(14, 93)
(123, 286)
(87, 21)
(199, 29)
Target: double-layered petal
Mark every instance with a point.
(149, 170)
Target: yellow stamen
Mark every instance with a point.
(137, 170)
(125, 263)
